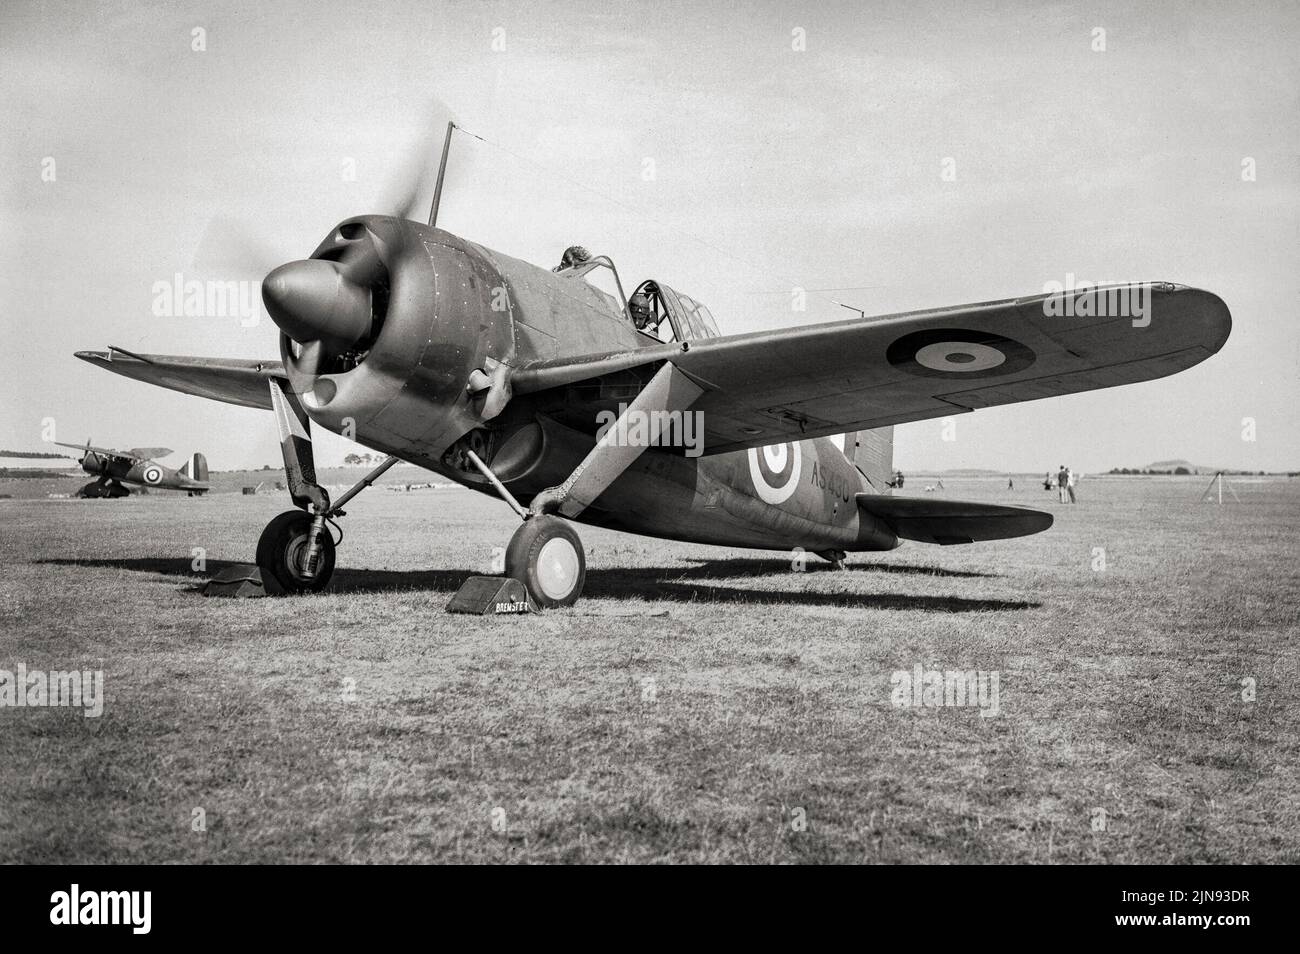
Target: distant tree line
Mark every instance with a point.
(1183, 471)
(34, 455)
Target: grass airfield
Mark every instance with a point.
(698, 705)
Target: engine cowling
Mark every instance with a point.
(388, 333)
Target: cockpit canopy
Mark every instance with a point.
(671, 316)
(674, 316)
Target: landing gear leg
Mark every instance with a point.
(296, 552)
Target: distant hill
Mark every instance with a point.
(1181, 467)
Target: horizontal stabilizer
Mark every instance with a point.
(948, 522)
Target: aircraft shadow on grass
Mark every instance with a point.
(675, 583)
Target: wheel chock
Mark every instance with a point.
(243, 581)
(492, 596)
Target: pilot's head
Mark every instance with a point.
(639, 307)
(574, 255)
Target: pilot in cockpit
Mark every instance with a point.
(638, 307)
(573, 255)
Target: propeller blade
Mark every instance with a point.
(410, 185)
(229, 248)
(312, 358)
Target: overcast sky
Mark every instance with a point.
(771, 166)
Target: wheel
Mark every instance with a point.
(282, 555)
(546, 556)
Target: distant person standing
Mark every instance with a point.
(1011, 484)
(1047, 480)
(1062, 482)
(1069, 484)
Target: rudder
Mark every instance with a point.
(196, 468)
(872, 452)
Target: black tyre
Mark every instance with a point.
(546, 555)
(282, 555)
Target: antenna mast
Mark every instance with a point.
(442, 171)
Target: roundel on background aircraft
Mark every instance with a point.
(152, 474)
(775, 471)
(958, 353)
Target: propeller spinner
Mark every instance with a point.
(313, 301)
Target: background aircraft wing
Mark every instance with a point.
(101, 451)
(148, 453)
(231, 380)
(863, 373)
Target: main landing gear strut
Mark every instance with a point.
(545, 553)
(296, 550)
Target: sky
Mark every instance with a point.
(732, 150)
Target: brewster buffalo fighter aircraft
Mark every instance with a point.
(136, 466)
(498, 374)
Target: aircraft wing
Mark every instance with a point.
(231, 380)
(831, 378)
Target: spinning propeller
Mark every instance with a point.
(330, 307)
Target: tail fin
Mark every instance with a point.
(196, 468)
(872, 452)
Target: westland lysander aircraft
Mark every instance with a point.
(114, 469)
(499, 374)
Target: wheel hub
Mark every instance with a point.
(295, 557)
(557, 568)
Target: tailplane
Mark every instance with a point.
(947, 522)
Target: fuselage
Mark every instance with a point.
(795, 494)
(453, 308)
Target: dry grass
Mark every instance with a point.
(1120, 690)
